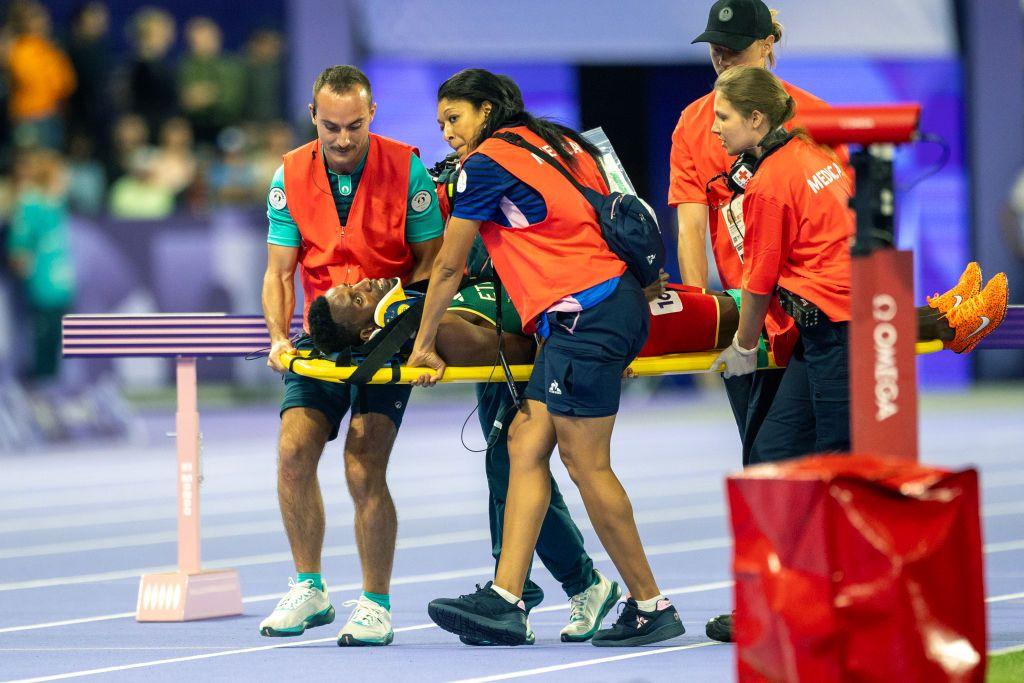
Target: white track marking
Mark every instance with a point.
(710, 477)
(470, 572)
(586, 662)
(298, 643)
(411, 513)
(649, 517)
(1005, 598)
(414, 513)
(1007, 650)
(1005, 546)
(68, 622)
(219, 501)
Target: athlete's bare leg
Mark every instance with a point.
(367, 451)
(304, 432)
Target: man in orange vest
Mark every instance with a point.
(347, 207)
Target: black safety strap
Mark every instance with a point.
(392, 339)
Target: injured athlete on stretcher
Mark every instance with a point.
(683, 319)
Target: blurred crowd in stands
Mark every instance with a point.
(164, 127)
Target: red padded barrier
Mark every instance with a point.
(855, 568)
(861, 124)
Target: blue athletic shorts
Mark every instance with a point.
(578, 371)
(335, 400)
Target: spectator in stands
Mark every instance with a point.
(91, 107)
(175, 160)
(41, 79)
(140, 195)
(87, 179)
(130, 134)
(277, 140)
(264, 72)
(38, 246)
(231, 179)
(211, 85)
(151, 82)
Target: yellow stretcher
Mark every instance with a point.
(673, 364)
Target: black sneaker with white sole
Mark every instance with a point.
(482, 616)
(720, 628)
(531, 638)
(636, 627)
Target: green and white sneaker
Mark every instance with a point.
(369, 624)
(302, 607)
(588, 609)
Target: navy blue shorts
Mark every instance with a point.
(335, 400)
(578, 371)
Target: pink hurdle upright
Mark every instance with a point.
(188, 593)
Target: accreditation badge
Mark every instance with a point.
(732, 214)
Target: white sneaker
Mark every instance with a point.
(369, 624)
(588, 609)
(302, 607)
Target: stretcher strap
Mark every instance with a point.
(672, 364)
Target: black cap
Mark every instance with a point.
(736, 24)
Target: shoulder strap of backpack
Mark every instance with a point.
(519, 141)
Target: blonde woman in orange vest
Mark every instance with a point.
(346, 208)
(567, 285)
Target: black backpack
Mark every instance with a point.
(627, 224)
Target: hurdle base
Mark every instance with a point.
(182, 596)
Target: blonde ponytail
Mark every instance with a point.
(777, 34)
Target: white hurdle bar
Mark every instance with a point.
(188, 593)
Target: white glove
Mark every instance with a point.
(736, 360)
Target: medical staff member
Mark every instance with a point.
(739, 32)
(560, 544)
(799, 227)
(344, 207)
(567, 285)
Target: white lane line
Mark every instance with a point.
(649, 517)
(240, 488)
(481, 571)
(215, 531)
(213, 505)
(246, 561)
(264, 648)
(1007, 650)
(410, 513)
(113, 649)
(673, 514)
(1005, 546)
(586, 662)
(1005, 598)
(658, 485)
(68, 622)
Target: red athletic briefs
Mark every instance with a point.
(683, 320)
